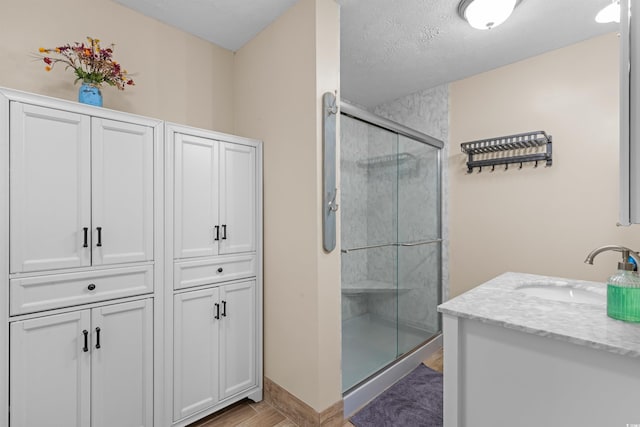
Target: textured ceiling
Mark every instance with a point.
(390, 48)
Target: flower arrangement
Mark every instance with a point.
(90, 63)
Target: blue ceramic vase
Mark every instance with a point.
(90, 94)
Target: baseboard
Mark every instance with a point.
(299, 412)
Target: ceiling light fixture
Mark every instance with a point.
(610, 13)
(486, 14)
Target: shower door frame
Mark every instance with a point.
(357, 396)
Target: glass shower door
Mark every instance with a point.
(419, 243)
(369, 223)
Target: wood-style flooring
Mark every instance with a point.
(249, 414)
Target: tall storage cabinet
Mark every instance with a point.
(214, 257)
(130, 267)
(81, 265)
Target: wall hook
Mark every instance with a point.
(518, 149)
(536, 165)
(493, 167)
(480, 169)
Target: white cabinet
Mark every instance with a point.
(214, 346)
(118, 250)
(237, 198)
(215, 197)
(122, 198)
(195, 348)
(237, 338)
(84, 368)
(50, 371)
(50, 188)
(81, 190)
(213, 235)
(197, 228)
(81, 234)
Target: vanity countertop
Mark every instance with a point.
(499, 302)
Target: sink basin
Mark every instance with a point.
(563, 291)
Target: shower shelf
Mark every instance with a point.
(388, 160)
(371, 287)
(505, 150)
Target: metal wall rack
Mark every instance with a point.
(505, 150)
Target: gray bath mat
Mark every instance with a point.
(415, 400)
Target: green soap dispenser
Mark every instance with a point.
(623, 288)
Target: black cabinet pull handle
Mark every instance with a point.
(224, 309)
(99, 236)
(224, 231)
(97, 337)
(217, 316)
(86, 341)
(220, 270)
(86, 237)
(91, 286)
(217, 233)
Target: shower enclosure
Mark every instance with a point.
(391, 242)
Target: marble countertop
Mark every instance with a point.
(499, 302)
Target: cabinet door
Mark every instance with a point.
(50, 188)
(122, 198)
(196, 231)
(195, 354)
(122, 365)
(50, 371)
(237, 338)
(237, 198)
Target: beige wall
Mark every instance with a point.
(179, 77)
(280, 77)
(541, 220)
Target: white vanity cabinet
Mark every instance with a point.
(90, 367)
(215, 196)
(214, 260)
(81, 190)
(214, 346)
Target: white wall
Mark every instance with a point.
(543, 220)
(179, 77)
(280, 77)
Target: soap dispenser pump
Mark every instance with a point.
(623, 288)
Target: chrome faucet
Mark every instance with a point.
(626, 253)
